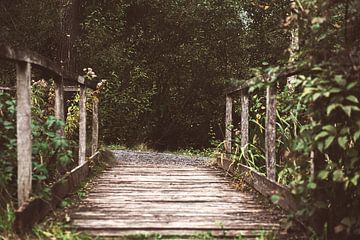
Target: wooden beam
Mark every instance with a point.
(270, 132)
(82, 126)
(261, 184)
(95, 126)
(13, 54)
(244, 121)
(59, 103)
(228, 125)
(32, 212)
(23, 131)
(71, 88)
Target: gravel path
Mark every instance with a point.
(139, 157)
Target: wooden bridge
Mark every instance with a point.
(145, 198)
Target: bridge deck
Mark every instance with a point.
(171, 200)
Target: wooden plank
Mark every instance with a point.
(244, 121)
(59, 103)
(178, 233)
(25, 56)
(33, 211)
(270, 132)
(228, 125)
(95, 125)
(82, 126)
(23, 131)
(263, 185)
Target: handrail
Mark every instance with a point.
(20, 55)
(24, 61)
(270, 123)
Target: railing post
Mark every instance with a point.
(23, 131)
(228, 125)
(59, 103)
(244, 121)
(95, 126)
(82, 125)
(270, 132)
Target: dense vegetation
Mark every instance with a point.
(167, 63)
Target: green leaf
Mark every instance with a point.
(328, 141)
(351, 85)
(339, 79)
(330, 128)
(354, 180)
(311, 185)
(323, 174)
(338, 175)
(321, 135)
(275, 199)
(331, 107)
(356, 135)
(342, 141)
(352, 98)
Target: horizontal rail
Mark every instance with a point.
(13, 54)
(236, 89)
(262, 184)
(35, 210)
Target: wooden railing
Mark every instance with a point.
(270, 125)
(25, 60)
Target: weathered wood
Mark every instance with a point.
(23, 131)
(244, 121)
(263, 185)
(7, 88)
(228, 125)
(32, 212)
(199, 199)
(71, 88)
(59, 103)
(9, 53)
(82, 126)
(270, 132)
(237, 89)
(95, 126)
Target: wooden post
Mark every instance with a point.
(245, 121)
(95, 126)
(82, 125)
(59, 103)
(23, 131)
(270, 132)
(228, 125)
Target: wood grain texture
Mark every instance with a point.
(262, 184)
(95, 126)
(244, 120)
(228, 124)
(23, 131)
(171, 200)
(33, 211)
(26, 56)
(270, 132)
(82, 126)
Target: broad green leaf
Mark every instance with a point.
(354, 180)
(356, 135)
(311, 185)
(338, 176)
(339, 79)
(351, 85)
(323, 174)
(330, 128)
(331, 107)
(328, 141)
(275, 199)
(352, 98)
(342, 141)
(321, 135)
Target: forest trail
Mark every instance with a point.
(156, 193)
